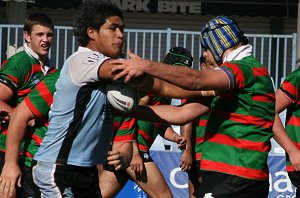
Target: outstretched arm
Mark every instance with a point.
(184, 77)
(169, 114)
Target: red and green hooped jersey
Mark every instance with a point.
(144, 132)
(24, 72)
(239, 129)
(39, 101)
(199, 129)
(291, 88)
(198, 132)
(124, 129)
(147, 131)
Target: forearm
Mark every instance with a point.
(14, 137)
(186, 131)
(16, 131)
(183, 77)
(177, 115)
(170, 134)
(125, 150)
(282, 137)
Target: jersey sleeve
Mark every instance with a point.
(238, 75)
(92, 62)
(16, 69)
(291, 85)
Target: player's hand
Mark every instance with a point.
(295, 159)
(129, 68)
(186, 160)
(10, 177)
(114, 158)
(180, 140)
(137, 164)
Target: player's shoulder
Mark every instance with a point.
(85, 56)
(20, 58)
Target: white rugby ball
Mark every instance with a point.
(121, 96)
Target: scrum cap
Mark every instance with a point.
(220, 34)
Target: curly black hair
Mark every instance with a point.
(93, 14)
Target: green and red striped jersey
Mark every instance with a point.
(147, 131)
(239, 129)
(291, 88)
(144, 132)
(23, 73)
(39, 101)
(199, 131)
(124, 129)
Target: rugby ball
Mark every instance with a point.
(122, 96)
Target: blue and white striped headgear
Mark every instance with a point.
(219, 34)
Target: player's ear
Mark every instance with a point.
(27, 37)
(91, 33)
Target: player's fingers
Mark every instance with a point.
(135, 168)
(188, 168)
(132, 55)
(113, 155)
(184, 168)
(141, 168)
(1, 187)
(19, 182)
(6, 187)
(181, 164)
(122, 74)
(11, 191)
(118, 167)
(128, 77)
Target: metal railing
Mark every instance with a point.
(276, 52)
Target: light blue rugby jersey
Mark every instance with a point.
(81, 122)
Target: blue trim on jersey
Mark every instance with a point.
(230, 77)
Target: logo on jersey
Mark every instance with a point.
(93, 59)
(146, 156)
(68, 193)
(35, 80)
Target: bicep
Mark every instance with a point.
(282, 101)
(212, 79)
(5, 93)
